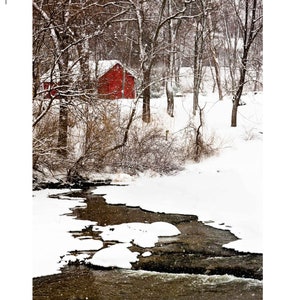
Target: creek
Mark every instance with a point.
(193, 265)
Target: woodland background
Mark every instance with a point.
(75, 131)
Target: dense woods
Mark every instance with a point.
(76, 132)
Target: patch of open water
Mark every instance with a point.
(194, 265)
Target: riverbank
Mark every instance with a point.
(173, 261)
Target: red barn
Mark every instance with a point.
(114, 81)
(50, 91)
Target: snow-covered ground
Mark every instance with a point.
(53, 242)
(224, 191)
(51, 237)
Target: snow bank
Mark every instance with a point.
(52, 241)
(227, 198)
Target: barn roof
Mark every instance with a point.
(105, 65)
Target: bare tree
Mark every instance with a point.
(59, 32)
(230, 43)
(213, 40)
(251, 26)
(172, 51)
(69, 31)
(201, 33)
(150, 40)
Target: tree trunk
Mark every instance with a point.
(214, 56)
(64, 86)
(234, 113)
(85, 74)
(196, 92)
(218, 76)
(199, 143)
(238, 94)
(62, 141)
(170, 99)
(146, 115)
(248, 38)
(172, 33)
(198, 54)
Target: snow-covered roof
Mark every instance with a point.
(105, 65)
(97, 70)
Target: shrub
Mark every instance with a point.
(147, 149)
(197, 143)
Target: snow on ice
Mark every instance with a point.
(117, 255)
(141, 234)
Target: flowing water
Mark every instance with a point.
(83, 283)
(193, 265)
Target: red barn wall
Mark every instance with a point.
(110, 85)
(129, 88)
(50, 91)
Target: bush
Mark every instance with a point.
(96, 143)
(147, 149)
(44, 139)
(198, 144)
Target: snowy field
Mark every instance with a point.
(224, 191)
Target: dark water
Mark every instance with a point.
(193, 265)
(83, 283)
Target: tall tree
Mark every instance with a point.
(251, 26)
(213, 24)
(150, 41)
(69, 27)
(172, 54)
(201, 34)
(231, 42)
(60, 35)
